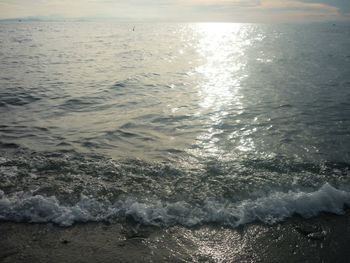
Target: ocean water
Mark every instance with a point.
(170, 124)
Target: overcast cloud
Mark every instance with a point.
(181, 10)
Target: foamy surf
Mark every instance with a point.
(26, 207)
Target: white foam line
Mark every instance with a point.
(24, 207)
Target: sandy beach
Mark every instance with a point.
(321, 239)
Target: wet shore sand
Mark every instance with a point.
(321, 239)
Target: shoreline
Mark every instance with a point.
(320, 239)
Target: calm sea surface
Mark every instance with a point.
(173, 123)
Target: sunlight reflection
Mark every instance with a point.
(222, 47)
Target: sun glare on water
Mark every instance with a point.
(222, 47)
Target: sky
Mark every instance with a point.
(181, 10)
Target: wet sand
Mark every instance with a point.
(321, 239)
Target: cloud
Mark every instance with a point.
(181, 10)
(264, 10)
(342, 5)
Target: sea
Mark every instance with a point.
(168, 124)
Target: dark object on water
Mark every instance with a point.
(133, 29)
(317, 235)
(311, 231)
(64, 241)
(7, 253)
(306, 229)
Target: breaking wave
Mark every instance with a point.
(26, 207)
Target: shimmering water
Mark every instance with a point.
(173, 123)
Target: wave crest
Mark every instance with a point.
(25, 207)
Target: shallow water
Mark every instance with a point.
(173, 123)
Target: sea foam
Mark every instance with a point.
(26, 207)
